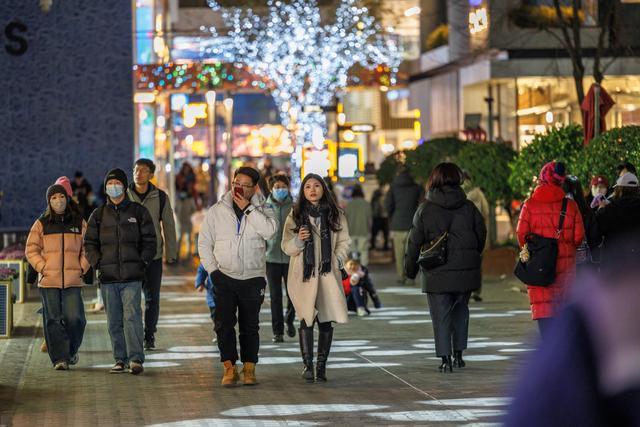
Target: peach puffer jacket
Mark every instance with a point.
(54, 249)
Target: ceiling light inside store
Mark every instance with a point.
(408, 144)
(388, 148)
(548, 117)
(348, 135)
(412, 11)
(144, 97)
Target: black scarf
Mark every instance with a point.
(325, 242)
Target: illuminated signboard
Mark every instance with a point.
(478, 20)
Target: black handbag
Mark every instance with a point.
(540, 267)
(434, 254)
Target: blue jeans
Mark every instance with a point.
(64, 321)
(124, 319)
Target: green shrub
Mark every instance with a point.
(388, 168)
(425, 157)
(488, 165)
(564, 144)
(607, 151)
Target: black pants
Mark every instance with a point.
(245, 298)
(450, 318)
(276, 275)
(151, 290)
(380, 224)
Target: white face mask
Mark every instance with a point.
(59, 205)
(114, 190)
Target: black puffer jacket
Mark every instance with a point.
(467, 236)
(120, 241)
(402, 200)
(619, 223)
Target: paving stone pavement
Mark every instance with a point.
(381, 371)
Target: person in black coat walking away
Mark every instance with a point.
(619, 223)
(448, 286)
(401, 203)
(120, 242)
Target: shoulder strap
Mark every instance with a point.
(163, 202)
(563, 214)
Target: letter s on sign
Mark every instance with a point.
(19, 46)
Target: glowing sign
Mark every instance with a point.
(478, 21)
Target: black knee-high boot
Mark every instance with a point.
(324, 346)
(306, 349)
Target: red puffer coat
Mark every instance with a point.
(541, 215)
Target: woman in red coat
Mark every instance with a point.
(541, 215)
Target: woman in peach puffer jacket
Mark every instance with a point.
(54, 249)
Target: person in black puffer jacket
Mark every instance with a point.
(119, 243)
(448, 286)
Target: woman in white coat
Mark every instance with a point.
(316, 238)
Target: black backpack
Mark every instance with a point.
(540, 268)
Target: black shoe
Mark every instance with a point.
(291, 330)
(376, 301)
(306, 349)
(458, 362)
(324, 347)
(278, 338)
(446, 364)
(149, 343)
(476, 297)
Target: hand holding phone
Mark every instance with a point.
(238, 191)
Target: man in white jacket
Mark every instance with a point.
(232, 247)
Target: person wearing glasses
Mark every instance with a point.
(232, 247)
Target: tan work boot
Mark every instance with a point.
(249, 372)
(43, 346)
(230, 377)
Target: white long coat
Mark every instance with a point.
(323, 295)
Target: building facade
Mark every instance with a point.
(501, 79)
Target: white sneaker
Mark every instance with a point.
(362, 312)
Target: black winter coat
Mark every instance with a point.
(122, 244)
(467, 235)
(619, 223)
(402, 200)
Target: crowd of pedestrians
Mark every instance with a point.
(312, 252)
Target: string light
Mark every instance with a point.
(306, 60)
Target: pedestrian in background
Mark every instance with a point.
(54, 249)
(380, 218)
(401, 203)
(316, 237)
(619, 223)
(448, 286)
(358, 214)
(203, 282)
(232, 247)
(186, 205)
(477, 197)
(120, 243)
(281, 202)
(157, 202)
(541, 215)
(83, 194)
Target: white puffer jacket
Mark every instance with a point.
(236, 248)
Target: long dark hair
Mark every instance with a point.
(301, 208)
(572, 186)
(445, 174)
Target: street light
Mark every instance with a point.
(228, 106)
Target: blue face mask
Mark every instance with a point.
(114, 190)
(280, 194)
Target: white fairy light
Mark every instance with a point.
(306, 60)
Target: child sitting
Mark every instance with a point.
(203, 281)
(357, 285)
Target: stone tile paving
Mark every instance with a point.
(382, 369)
